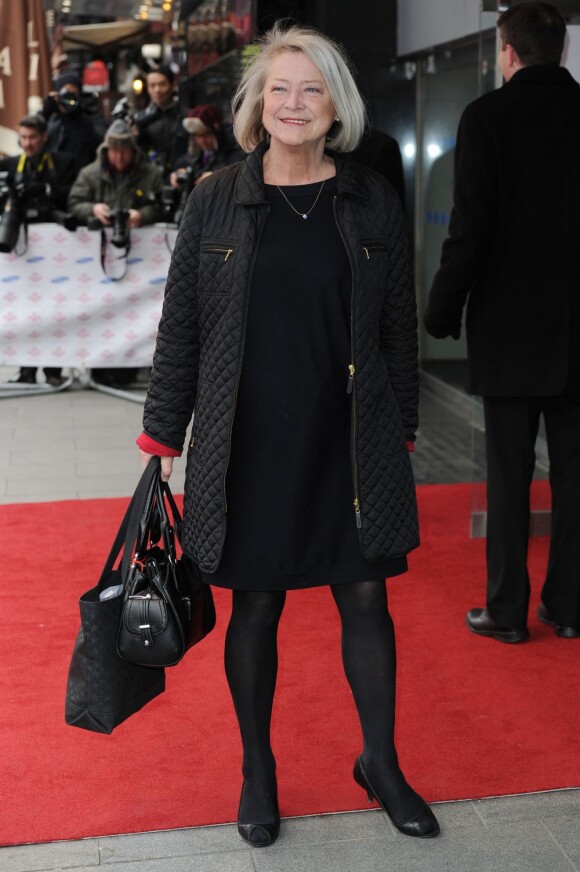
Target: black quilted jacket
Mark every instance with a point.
(200, 349)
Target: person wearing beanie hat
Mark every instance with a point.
(120, 133)
(161, 136)
(120, 179)
(209, 149)
(68, 78)
(205, 121)
(70, 130)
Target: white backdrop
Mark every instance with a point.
(57, 308)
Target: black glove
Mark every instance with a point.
(441, 329)
(49, 106)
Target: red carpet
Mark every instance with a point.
(476, 718)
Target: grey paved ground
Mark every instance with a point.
(81, 445)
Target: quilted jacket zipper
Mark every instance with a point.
(239, 374)
(351, 384)
(226, 251)
(376, 246)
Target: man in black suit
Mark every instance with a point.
(45, 178)
(513, 253)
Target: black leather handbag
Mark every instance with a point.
(102, 689)
(166, 608)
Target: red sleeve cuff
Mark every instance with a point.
(150, 446)
(410, 446)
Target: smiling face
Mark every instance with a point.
(298, 110)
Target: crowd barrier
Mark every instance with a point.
(60, 309)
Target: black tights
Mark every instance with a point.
(368, 651)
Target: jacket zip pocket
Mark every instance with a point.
(225, 251)
(374, 246)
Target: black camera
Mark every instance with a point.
(68, 101)
(120, 236)
(174, 200)
(10, 214)
(169, 197)
(147, 116)
(122, 111)
(23, 204)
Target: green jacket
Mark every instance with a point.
(140, 189)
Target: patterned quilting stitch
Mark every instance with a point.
(201, 335)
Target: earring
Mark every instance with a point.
(337, 119)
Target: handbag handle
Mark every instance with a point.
(138, 510)
(166, 532)
(177, 519)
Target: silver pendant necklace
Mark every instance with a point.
(302, 214)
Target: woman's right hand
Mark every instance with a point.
(166, 464)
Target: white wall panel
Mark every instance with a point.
(571, 58)
(423, 24)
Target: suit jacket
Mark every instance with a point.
(513, 251)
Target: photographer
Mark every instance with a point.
(161, 136)
(40, 180)
(120, 178)
(71, 130)
(210, 148)
(121, 190)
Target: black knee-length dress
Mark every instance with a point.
(289, 489)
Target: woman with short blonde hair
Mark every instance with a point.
(346, 133)
(289, 330)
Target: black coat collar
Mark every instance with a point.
(249, 188)
(546, 73)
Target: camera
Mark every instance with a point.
(24, 204)
(10, 214)
(120, 236)
(147, 116)
(174, 200)
(68, 101)
(122, 111)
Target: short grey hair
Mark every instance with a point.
(247, 103)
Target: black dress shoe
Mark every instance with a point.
(566, 631)
(26, 376)
(260, 835)
(480, 622)
(423, 826)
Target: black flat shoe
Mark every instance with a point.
(565, 631)
(260, 835)
(423, 826)
(26, 376)
(480, 622)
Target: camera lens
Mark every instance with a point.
(68, 101)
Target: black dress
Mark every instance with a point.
(290, 514)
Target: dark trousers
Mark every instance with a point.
(511, 428)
